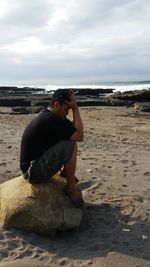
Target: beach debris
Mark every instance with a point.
(89, 170)
(147, 173)
(94, 186)
(144, 237)
(113, 199)
(126, 230)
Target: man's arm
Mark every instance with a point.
(77, 121)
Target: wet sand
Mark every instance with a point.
(114, 172)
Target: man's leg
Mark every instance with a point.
(64, 154)
(69, 173)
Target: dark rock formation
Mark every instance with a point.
(139, 99)
(13, 101)
(13, 90)
(9, 90)
(136, 95)
(31, 100)
(91, 92)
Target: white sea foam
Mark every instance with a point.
(124, 88)
(117, 87)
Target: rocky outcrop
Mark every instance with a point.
(14, 90)
(135, 95)
(41, 208)
(10, 90)
(139, 99)
(31, 100)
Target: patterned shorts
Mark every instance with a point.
(50, 162)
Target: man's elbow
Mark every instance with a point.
(81, 138)
(78, 137)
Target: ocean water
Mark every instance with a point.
(118, 86)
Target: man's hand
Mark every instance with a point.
(73, 101)
(77, 122)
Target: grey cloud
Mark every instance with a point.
(27, 13)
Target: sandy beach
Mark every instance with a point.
(114, 172)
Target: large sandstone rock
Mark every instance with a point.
(39, 208)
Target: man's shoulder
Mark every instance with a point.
(45, 114)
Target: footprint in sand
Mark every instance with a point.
(94, 178)
(7, 171)
(133, 163)
(147, 173)
(124, 161)
(2, 163)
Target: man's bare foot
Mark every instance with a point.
(62, 174)
(75, 195)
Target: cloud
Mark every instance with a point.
(27, 13)
(30, 45)
(74, 38)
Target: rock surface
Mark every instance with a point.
(135, 95)
(142, 106)
(14, 100)
(31, 100)
(41, 208)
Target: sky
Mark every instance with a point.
(55, 41)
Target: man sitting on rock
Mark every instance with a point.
(49, 144)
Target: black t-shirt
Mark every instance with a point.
(44, 131)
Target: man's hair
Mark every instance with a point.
(60, 95)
